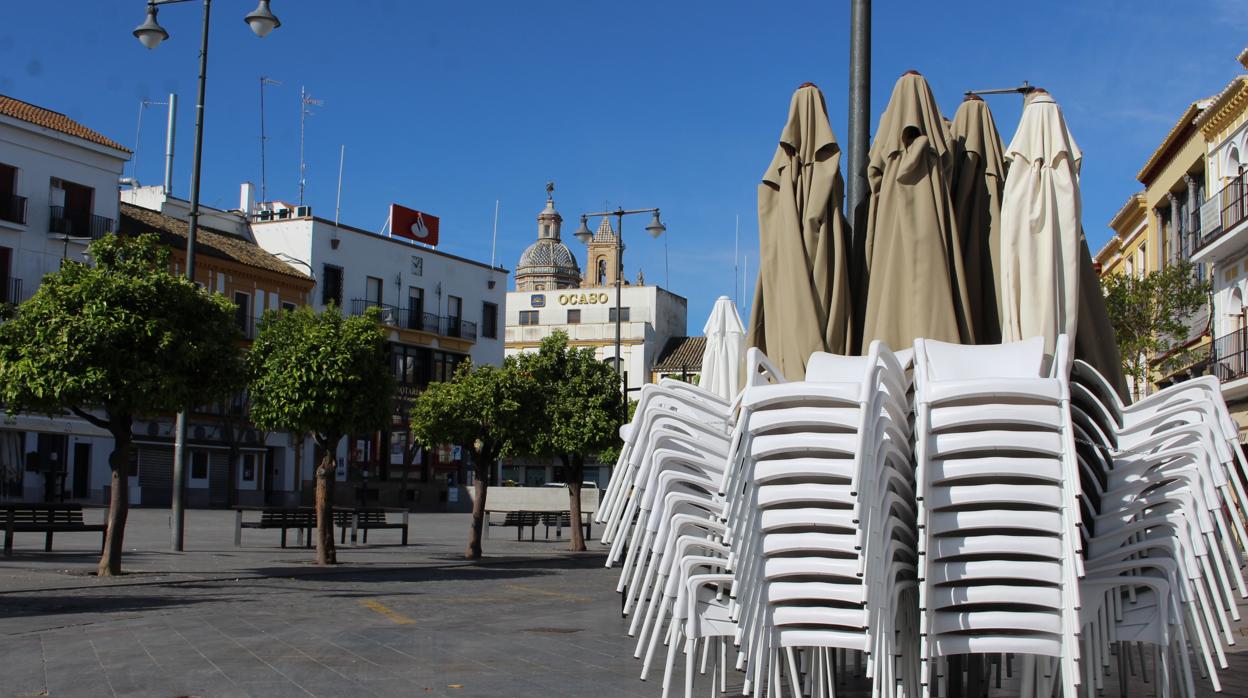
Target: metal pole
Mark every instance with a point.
(179, 447)
(619, 272)
(263, 194)
(169, 131)
(859, 107)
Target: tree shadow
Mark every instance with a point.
(38, 604)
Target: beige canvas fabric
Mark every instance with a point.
(976, 185)
(1095, 341)
(1040, 227)
(914, 281)
(801, 303)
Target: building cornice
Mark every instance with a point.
(1182, 129)
(1229, 104)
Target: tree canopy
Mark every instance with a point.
(581, 411)
(123, 336)
(324, 374)
(486, 409)
(1151, 315)
(320, 373)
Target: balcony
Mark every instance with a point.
(1222, 219)
(1229, 357)
(11, 292)
(459, 328)
(78, 224)
(13, 209)
(415, 319)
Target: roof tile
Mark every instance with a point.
(56, 121)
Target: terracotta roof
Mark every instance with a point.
(681, 354)
(55, 121)
(136, 220)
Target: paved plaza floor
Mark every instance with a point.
(259, 620)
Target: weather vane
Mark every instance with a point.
(550, 189)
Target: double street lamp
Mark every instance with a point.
(585, 235)
(150, 34)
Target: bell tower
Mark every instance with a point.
(603, 257)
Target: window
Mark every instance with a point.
(372, 290)
(489, 320)
(248, 472)
(623, 315)
(574, 317)
(445, 364)
(71, 210)
(10, 289)
(416, 308)
(199, 465)
(12, 206)
(287, 305)
(409, 364)
(602, 272)
(331, 285)
(242, 313)
(528, 317)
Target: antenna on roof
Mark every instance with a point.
(550, 188)
(138, 131)
(342, 154)
(263, 81)
(736, 255)
(305, 101)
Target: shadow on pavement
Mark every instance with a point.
(18, 606)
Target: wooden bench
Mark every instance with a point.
(302, 519)
(47, 519)
(366, 518)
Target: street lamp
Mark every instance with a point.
(584, 234)
(150, 34)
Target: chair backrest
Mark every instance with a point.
(947, 361)
(823, 367)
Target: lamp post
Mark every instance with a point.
(656, 228)
(150, 34)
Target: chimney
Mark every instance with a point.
(247, 199)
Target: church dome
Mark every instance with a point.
(548, 253)
(547, 264)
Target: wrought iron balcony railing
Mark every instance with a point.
(13, 208)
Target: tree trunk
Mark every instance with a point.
(481, 488)
(574, 471)
(119, 500)
(326, 554)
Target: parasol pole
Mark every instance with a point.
(859, 107)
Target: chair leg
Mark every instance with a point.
(283, 537)
(47, 542)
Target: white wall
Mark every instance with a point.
(655, 315)
(40, 155)
(361, 255)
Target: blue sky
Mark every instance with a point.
(447, 107)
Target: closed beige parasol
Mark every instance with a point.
(914, 281)
(978, 178)
(1041, 234)
(801, 303)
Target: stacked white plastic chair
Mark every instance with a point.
(820, 511)
(1162, 558)
(998, 517)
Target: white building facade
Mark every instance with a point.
(58, 190)
(438, 309)
(547, 302)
